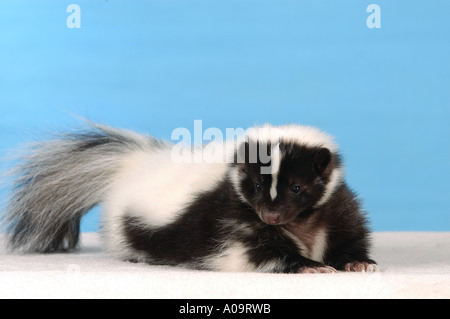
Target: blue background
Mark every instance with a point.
(152, 66)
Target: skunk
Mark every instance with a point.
(289, 211)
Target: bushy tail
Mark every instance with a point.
(58, 181)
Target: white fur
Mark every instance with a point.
(317, 250)
(236, 178)
(273, 187)
(302, 248)
(270, 266)
(335, 180)
(233, 259)
(320, 245)
(237, 228)
(275, 166)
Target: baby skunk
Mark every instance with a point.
(292, 213)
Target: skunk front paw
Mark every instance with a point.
(364, 266)
(317, 270)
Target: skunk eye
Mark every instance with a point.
(258, 186)
(296, 189)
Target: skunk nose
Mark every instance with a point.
(271, 218)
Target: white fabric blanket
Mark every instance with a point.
(413, 265)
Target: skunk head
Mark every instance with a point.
(282, 172)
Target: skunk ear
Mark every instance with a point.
(322, 159)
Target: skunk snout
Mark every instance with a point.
(270, 217)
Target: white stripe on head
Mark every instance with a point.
(275, 169)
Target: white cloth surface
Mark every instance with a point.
(412, 264)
